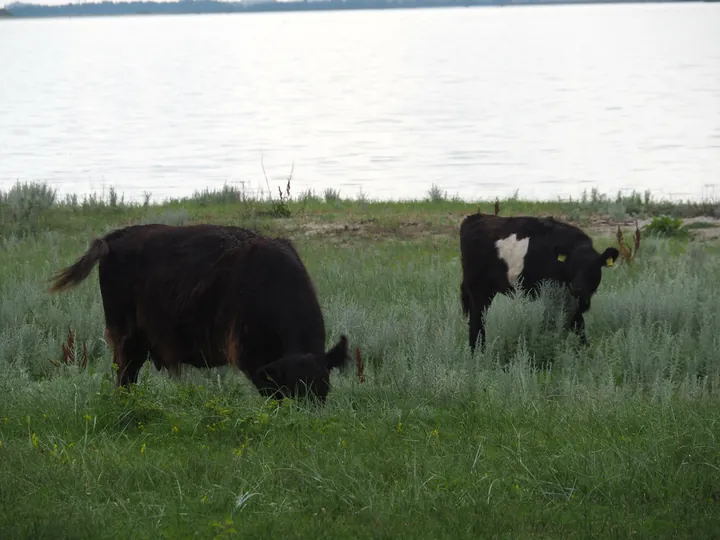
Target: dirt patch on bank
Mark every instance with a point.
(374, 228)
(701, 227)
(446, 226)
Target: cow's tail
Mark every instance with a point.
(80, 269)
(464, 300)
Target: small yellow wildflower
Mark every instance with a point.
(239, 451)
(142, 448)
(175, 430)
(34, 440)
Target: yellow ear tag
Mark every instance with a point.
(562, 258)
(609, 261)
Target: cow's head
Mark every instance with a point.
(584, 269)
(301, 375)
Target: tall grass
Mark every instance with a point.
(402, 307)
(535, 437)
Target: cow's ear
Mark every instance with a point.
(337, 357)
(609, 256)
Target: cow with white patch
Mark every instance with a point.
(499, 253)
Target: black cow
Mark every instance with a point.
(206, 296)
(500, 252)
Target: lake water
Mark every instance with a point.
(483, 102)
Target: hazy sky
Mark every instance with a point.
(53, 2)
(4, 3)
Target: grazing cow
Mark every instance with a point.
(206, 296)
(501, 252)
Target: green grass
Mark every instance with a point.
(620, 439)
(701, 225)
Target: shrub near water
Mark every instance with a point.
(617, 439)
(22, 205)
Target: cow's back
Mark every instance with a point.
(477, 228)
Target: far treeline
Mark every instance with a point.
(214, 6)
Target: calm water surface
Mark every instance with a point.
(482, 102)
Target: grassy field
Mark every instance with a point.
(537, 437)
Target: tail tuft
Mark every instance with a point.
(78, 271)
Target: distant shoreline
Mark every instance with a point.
(198, 7)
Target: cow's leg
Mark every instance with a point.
(577, 323)
(156, 358)
(115, 339)
(134, 352)
(479, 301)
(578, 326)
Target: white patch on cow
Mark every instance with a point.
(513, 251)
